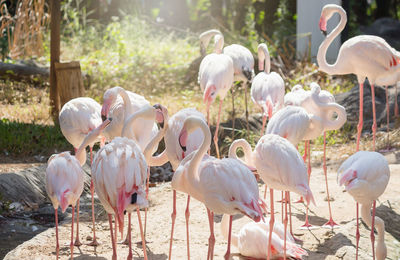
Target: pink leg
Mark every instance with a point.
(357, 231)
(142, 234)
(71, 245)
(301, 200)
(211, 240)
(147, 197)
(373, 115)
(247, 111)
(282, 201)
(228, 251)
(360, 120)
(306, 223)
(94, 242)
(187, 215)
(129, 237)
(114, 256)
(116, 228)
(396, 106)
(372, 230)
(57, 244)
(264, 121)
(330, 223)
(217, 128)
(208, 123)
(265, 192)
(387, 114)
(173, 217)
(77, 241)
(271, 223)
(290, 214)
(233, 114)
(285, 222)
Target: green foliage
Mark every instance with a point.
(21, 139)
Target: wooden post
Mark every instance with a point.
(55, 8)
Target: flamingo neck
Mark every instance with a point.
(241, 143)
(146, 113)
(329, 110)
(379, 224)
(264, 60)
(225, 230)
(161, 158)
(321, 56)
(127, 102)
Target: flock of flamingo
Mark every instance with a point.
(133, 128)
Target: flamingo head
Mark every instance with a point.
(348, 179)
(161, 114)
(326, 14)
(210, 94)
(109, 98)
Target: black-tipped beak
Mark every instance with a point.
(324, 33)
(182, 147)
(157, 106)
(247, 73)
(134, 198)
(161, 124)
(103, 117)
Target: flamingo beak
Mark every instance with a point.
(105, 109)
(347, 178)
(322, 25)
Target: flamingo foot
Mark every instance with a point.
(94, 243)
(77, 242)
(330, 224)
(301, 200)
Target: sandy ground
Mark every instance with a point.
(320, 243)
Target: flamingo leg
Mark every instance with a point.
(228, 251)
(271, 224)
(372, 230)
(301, 200)
(233, 114)
(173, 217)
(211, 239)
(306, 223)
(147, 197)
(373, 115)
(217, 128)
(208, 122)
(94, 242)
(71, 245)
(285, 222)
(357, 232)
(360, 120)
(330, 223)
(77, 241)
(290, 215)
(265, 192)
(282, 201)
(114, 256)
(116, 228)
(187, 215)
(129, 237)
(396, 106)
(247, 111)
(264, 121)
(57, 244)
(387, 114)
(142, 234)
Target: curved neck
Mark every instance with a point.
(321, 56)
(264, 60)
(148, 151)
(147, 112)
(379, 224)
(218, 43)
(329, 110)
(225, 230)
(127, 101)
(199, 154)
(241, 143)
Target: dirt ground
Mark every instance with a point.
(320, 243)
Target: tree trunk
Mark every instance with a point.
(241, 11)
(270, 8)
(22, 72)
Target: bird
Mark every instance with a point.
(252, 240)
(280, 166)
(77, 118)
(64, 181)
(366, 56)
(175, 154)
(320, 103)
(267, 88)
(118, 103)
(222, 185)
(243, 63)
(365, 176)
(215, 78)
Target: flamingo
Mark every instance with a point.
(215, 78)
(366, 56)
(267, 88)
(77, 118)
(64, 181)
(223, 185)
(252, 240)
(320, 103)
(280, 166)
(175, 154)
(365, 176)
(243, 63)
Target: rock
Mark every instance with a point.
(387, 28)
(16, 206)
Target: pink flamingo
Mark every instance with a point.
(64, 181)
(365, 176)
(175, 154)
(267, 88)
(366, 56)
(280, 166)
(252, 240)
(224, 186)
(77, 118)
(216, 78)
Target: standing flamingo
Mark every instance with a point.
(280, 166)
(267, 88)
(243, 63)
(366, 56)
(252, 240)
(215, 78)
(224, 186)
(365, 176)
(64, 181)
(175, 154)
